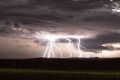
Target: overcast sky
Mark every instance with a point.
(97, 20)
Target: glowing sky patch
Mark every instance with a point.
(115, 7)
(52, 41)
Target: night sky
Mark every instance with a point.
(97, 20)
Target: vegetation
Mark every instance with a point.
(38, 74)
(60, 69)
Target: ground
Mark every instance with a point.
(67, 71)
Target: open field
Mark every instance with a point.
(60, 69)
(37, 74)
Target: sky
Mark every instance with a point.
(96, 20)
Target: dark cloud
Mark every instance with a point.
(82, 17)
(99, 40)
(53, 10)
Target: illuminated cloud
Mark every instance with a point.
(97, 20)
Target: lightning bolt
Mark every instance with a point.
(52, 41)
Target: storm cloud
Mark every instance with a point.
(81, 17)
(98, 41)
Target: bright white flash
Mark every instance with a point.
(53, 40)
(115, 7)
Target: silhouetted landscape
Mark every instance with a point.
(60, 69)
(63, 64)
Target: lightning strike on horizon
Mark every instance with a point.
(52, 40)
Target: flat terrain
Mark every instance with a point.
(60, 69)
(37, 74)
